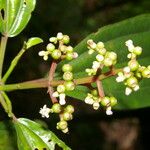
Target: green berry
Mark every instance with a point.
(105, 101)
(61, 88)
(63, 48)
(100, 45)
(66, 39)
(62, 125)
(67, 76)
(69, 85)
(133, 65)
(69, 49)
(94, 92)
(101, 51)
(137, 50)
(108, 62)
(69, 109)
(66, 68)
(146, 73)
(111, 55)
(69, 56)
(67, 116)
(113, 101)
(56, 54)
(50, 47)
(56, 108)
(132, 82)
(53, 40)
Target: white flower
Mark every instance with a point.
(44, 111)
(60, 36)
(75, 54)
(128, 91)
(96, 105)
(109, 111)
(62, 100)
(55, 94)
(100, 57)
(130, 45)
(44, 54)
(136, 88)
(126, 69)
(89, 100)
(120, 77)
(96, 65)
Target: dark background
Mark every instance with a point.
(90, 130)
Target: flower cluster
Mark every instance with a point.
(65, 115)
(134, 72)
(62, 52)
(68, 85)
(94, 99)
(103, 58)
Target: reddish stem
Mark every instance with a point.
(100, 88)
(51, 77)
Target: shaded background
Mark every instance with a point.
(90, 130)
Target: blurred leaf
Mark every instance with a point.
(14, 15)
(114, 37)
(32, 135)
(7, 136)
(33, 41)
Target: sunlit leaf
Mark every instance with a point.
(33, 136)
(33, 41)
(14, 15)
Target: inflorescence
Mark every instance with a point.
(131, 75)
(133, 72)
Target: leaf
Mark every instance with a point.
(7, 136)
(33, 41)
(33, 136)
(114, 37)
(16, 15)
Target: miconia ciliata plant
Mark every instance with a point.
(93, 72)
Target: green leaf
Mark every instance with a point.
(33, 41)
(16, 15)
(114, 37)
(7, 136)
(32, 135)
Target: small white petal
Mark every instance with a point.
(55, 94)
(96, 105)
(109, 111)
(59, 36)
(89, 100)
(41, 53)
(96, 65)
(75, 55)
(136, 88)
(100, 57)
(45, 57)
(44, 111)
(120, 78)
(62, 100)
(126, 69)
(128, 91)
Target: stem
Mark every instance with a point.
(13, 64)
(2, 53)
(8, 103)
(51, 77)
(100, 88)
(3, 103)
(43, 83)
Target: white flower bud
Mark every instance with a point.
(62, 100)
(45, 111)
(59, 36)
(126, 69)
(96, 105)
(96, 65)
(55, 94)
(99, 57)
(109, 111)
(91, 51)
(136, 88)
(128, 91)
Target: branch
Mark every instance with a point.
(43, 83)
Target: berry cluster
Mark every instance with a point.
(94, 99)
(103, 58)
(62, 52)
(68, 85)
(65, 115)
(134, 72)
